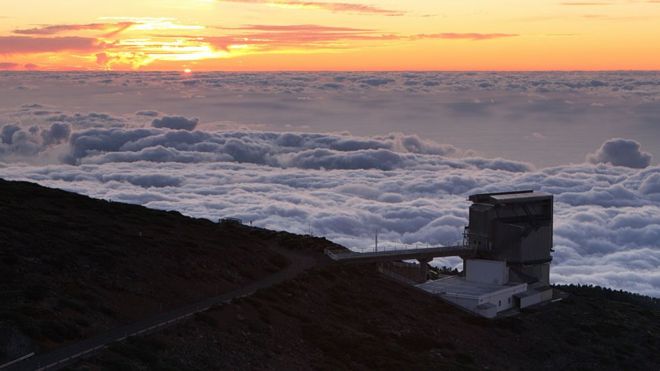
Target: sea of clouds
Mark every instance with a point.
(549, 118)
(409, 189)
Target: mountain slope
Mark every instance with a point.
(72, 266)
(351, 318)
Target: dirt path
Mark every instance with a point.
(66, 355)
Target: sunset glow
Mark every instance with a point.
(239, 35)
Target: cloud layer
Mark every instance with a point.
(250, 146)
(412, 191)
(544, 118)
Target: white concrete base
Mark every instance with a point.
(484, 299)
(535, 294)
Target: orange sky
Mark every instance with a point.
(239, 35)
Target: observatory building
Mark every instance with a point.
(510, 239)
(506, 254)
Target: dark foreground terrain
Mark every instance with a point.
(350, 318)
(72, 267)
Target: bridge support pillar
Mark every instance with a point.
(424, 268)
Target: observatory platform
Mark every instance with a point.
(485, 299)
(506, 255)
(486, 289)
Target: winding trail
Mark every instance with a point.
(66, 355)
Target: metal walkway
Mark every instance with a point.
(424, 254)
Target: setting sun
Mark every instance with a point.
(326, 35)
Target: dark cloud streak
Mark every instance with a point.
(27, 44)
(327, 6)
(111, 28)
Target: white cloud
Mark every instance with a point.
(174, 122)
(57, 133)
(148, 113)
(651, 185)
(621, 152)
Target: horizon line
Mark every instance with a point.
(330, 71)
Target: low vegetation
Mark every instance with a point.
(349, 317)
(72, 266)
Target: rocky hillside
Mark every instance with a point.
(337, 318)
(72, 266)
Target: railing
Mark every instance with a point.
(405, 254)
(468, 238)
(5, 365)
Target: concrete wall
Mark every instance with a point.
(539, 271)
(486, 271)
(503, 300)
(467, 303)
(500, 301)
(536, 297)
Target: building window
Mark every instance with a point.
(509, 300)
(500, 303)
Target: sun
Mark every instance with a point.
(187, 71)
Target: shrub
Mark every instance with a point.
(207, 319)
(72, 304)
(118, 365)
(464, 358)
(35, 293)
(10, 259)
(57, 331)
(137, 348)
(278, 260)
